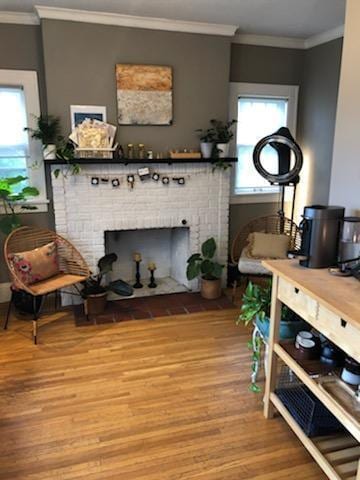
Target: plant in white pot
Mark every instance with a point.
(207, 144)
(223, 135)
(48, 132)
(204, 266)
(95, 289)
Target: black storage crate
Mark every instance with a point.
(311, 415)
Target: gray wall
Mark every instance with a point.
(21, 49)
(317, 115)
(257, 64)
(80, 63)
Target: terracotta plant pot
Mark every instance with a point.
(95, 304)
(211, 289)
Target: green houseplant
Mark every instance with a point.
(255, 308)
(223, 135)
(207, 141)
(95, 288)
(48, 132)
(204, 266)
(10, 196)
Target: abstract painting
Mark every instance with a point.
(144, 94)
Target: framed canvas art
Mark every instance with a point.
(78, 113)
(144, 94)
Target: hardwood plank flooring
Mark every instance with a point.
(162, 399)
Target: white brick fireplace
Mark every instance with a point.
(85, 213)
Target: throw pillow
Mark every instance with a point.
(269, 245)
(35, 265)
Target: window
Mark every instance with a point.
(260, 110)
(19, 153)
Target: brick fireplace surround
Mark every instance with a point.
(84, 212)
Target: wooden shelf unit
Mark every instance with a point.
(310, 293)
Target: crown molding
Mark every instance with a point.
(151, 23)
(269, 41)
(289, 42)
(20, 18)
(324, 37)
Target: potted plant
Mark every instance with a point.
(207, 144)
(10, 196)
(209, 270)
(47, 131)
(223, 135)
(95, 289)
(255, 308)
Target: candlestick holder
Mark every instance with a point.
(137, 283)
(152, 283)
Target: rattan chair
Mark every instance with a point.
(275, 224)
(72, 266)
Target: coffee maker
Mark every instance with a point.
(320, 229)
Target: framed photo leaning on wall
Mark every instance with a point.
(78, 113)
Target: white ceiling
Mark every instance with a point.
(290, 18)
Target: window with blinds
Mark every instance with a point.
(257, 118)
(14, 146)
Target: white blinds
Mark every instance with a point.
(257, 117)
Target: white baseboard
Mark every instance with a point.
(5, 292)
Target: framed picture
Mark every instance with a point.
(78, 113)
(144, 94)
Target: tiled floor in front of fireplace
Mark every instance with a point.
(151, 307)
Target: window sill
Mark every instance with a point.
(41, 205)
(264, 197)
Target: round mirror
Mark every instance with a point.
(295, 165)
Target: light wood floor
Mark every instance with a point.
(162, 399)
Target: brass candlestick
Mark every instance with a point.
(152, 268)
(137, 259)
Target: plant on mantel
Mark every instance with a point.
(11, 197)
(66, 151)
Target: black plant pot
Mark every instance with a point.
(24, 302)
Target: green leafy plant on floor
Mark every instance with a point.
(203, 264)
(256, 304)
(10, 197)
(95, 284)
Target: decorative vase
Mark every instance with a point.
(206, 149)
(210, 289)
(49, 152)
(95, 304)
(288, 329)
(223, 149)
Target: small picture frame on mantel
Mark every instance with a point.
(79, 113)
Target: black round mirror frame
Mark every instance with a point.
(280, 178)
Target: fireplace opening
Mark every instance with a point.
(168, 248)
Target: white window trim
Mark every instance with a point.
(28, 80)
(239, 89)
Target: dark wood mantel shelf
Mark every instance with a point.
(138, 161)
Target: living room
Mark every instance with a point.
(179, 208)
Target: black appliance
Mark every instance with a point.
(320, 230)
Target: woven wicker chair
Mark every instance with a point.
(275, 224)
(72, 266)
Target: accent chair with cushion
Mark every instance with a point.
(41, 262)
(268, 237)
